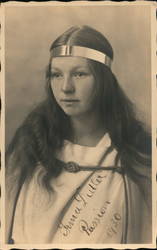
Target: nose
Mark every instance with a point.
(68, 86)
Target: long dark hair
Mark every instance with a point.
(46, 127)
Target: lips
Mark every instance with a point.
(69, 100)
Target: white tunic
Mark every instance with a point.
(84, 207)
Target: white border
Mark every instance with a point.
(154, 122)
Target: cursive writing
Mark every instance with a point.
(81, 200)
(88, 229)
(114, 223)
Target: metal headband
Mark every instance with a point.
(93, 54)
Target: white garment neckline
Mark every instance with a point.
(104, 141)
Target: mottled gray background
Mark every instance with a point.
(29, 32)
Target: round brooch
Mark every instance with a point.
(72, 167)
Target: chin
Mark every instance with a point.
(72, 113)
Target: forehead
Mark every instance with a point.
(69, 62)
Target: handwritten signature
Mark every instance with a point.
(88, 229)
(114, 223)
(82, 201)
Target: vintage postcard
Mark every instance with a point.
(78, 125)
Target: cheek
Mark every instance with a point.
(89, 92)
(55, 89)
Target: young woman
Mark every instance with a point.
(79, 168)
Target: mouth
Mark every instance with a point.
(69, 100)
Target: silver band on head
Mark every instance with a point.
(66, 50)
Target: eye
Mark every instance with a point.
(80, 74)
(56, 75)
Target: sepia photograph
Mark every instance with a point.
(78, 125)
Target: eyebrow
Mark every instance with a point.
(74, 68)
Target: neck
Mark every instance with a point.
(87, 131)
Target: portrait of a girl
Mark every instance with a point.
(78, 169)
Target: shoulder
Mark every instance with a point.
(137, 155)
(143, 141)
(28, 133)
(31, 143)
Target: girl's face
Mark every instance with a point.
(73, 85)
